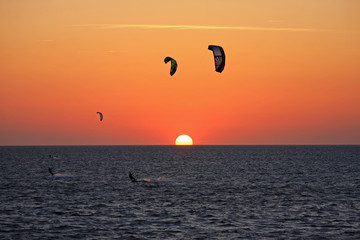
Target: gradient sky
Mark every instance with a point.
(292, 73)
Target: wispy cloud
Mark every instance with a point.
(199, 27)
(45, 40)
(274, 21)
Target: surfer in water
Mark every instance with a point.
(50, 171)
(132, 178)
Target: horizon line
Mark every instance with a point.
(84, 145)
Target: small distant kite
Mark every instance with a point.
(173, 65)
(219, 57)
(101, 115)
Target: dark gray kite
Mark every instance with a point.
(101, 115)
(219, 57)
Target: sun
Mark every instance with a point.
(183, 140)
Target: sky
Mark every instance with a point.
(292, 73)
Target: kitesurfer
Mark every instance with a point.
(50, 171)
(132, 178)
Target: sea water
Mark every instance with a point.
(189, 192)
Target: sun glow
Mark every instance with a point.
(184, 140)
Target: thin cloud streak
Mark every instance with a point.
(199, 27)
(45, 40)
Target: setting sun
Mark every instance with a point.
(184, 140)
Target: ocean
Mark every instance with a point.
(185, 192)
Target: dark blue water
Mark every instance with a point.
(195, 192)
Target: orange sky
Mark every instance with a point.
(292, 73)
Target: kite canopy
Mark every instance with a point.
(101, 115)
(173, 65)
(219, 57)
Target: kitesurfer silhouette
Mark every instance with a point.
(50, 171)
(132, 177)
